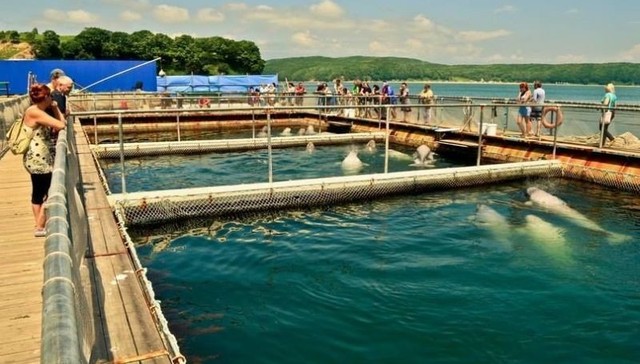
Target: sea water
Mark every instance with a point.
(219, 169)
(410, 279)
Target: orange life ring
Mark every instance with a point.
(203, 102)
(559, 117)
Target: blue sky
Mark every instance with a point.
(440, 31)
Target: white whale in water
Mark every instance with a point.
(371, 146)
(310, 130)
(496, 224)
(399, 155)
(423, 156)
(286, 132)
(351, 163)
(550, 238)
(553, 204)
(310, 147)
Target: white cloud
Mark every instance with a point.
(377, 47)
(264, 8)
(130, 4)
(327, 8)
(423, 23)
(54, 15)
(295, 21)
(505, 9)
(210, 15)
(570, 58)
(236, 6)
(129, 16)
(72, 16)
(414, 44)
(476, 36)
(631, 55)
(304, 39)
(170, 14)
(81, 16)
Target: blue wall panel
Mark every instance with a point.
(83, 73)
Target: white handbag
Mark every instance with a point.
(606, 117)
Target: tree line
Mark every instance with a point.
(181, 55)
(393, 68)
(216, 55)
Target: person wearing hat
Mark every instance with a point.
(54, 75)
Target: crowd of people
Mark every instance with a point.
(362, 94)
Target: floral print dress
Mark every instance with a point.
(38, 159)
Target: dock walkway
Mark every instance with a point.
(21, 273)
(117, 320)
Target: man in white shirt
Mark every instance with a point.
(538, 98)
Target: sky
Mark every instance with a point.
(440, 31)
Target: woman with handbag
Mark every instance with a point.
(38, 160)
(608, 113)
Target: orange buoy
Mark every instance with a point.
(559, 117)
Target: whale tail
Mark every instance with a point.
(617, 238)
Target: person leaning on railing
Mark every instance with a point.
(38, 160)
(299, 92)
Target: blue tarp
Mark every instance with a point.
(83, 73)
(221, 83)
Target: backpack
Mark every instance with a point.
(17, 138)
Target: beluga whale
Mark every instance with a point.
(371, 146)
(351, 163)
(423, 156)
(496, 224)
(548, 237)
(310, 147)
(551, 203)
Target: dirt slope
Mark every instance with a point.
(16, 51)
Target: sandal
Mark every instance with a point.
(40, 233)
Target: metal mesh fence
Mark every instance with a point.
(227, 145)
(142, 208)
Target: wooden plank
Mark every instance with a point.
(20, 267)
(127, 326)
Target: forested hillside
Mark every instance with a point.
(215, 55)
(391, 68)
(180, 55)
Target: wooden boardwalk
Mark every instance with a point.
(124, 330)
(21, 274)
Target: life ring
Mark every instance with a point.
(203, 102)
(559, 117)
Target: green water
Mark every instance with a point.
(406, 280)
(219, 169)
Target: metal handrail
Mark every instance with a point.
(61, 341)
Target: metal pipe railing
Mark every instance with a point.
(60, 335)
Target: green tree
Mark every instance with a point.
(118, 46)
(92, 41)
(49, 46)
(14, 36)
(139, 41)
(74, 50)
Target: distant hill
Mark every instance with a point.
(20, 50)
(395, 68)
